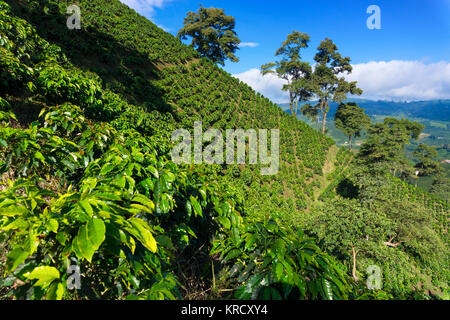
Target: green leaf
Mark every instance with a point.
(89, 238)
(202, 192)
(107, 169)
(44, 274)
(166, 242)
(120, 182)
(245, 292)
(225, 222)
(55, 291)
(20, 254)
(148, 185)
(108, 196)
(188, 207)
(145, 202)
(18, 223)
(39, 156)
(326, 287)
(128, 240)
(140, 207)
(135, 281)
(232, 254)
(279, 271)
(84, 204)
(226, 208)
(142, 232)
(165, 181)
(12, 211)
(267, 293)
(250, 241)
(164, 205)
(153, 171)
(53, 225)
(62, 238)
(96, 232)
(301, 285)
(15, 258)
(196, 206)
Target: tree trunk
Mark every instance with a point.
(354, 265)
(292, 103)
(324, 122)
(296, 108)
(350, 142)
(392, 245)
(323, 109)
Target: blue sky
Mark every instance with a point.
(408, 59)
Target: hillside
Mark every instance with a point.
(87, 117)
(146, 72)
(73, 153)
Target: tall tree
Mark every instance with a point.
(411, 223)
(213, 34)
(427, 163)
(328, 81)
(351, 120)
(386, 142)
(347, 229)
(297, 73)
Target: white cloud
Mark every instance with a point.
(145, 6)
(393, 80)
(269, 85)
(248, 44)
(403, 80)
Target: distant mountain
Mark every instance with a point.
(430, 109)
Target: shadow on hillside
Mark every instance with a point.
(123, 70)
(347, 189)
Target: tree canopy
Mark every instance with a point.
(386, 142)
(291, 68)
(426, 156)
(351, 120)
(327, 79)
(213, 34)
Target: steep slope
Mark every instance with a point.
(86, 179)
(150, 68)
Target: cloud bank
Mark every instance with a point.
(403, 80)
(393, 80)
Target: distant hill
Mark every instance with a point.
(430, 109)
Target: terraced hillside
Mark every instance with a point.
(154, 70)
(86, 176)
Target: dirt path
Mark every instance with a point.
(327, 169)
